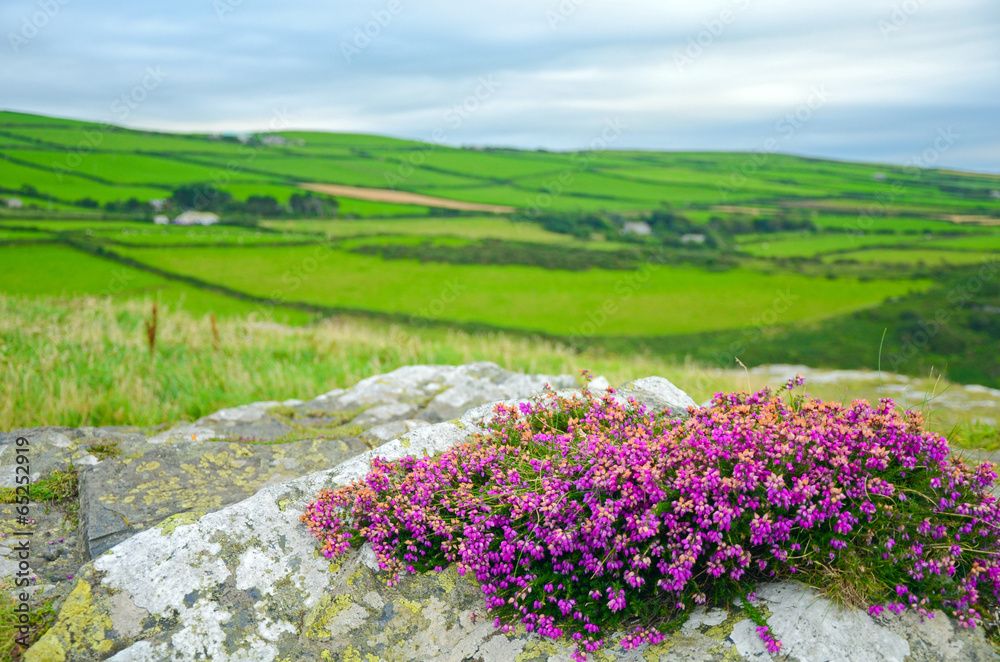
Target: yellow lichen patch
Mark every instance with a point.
(412, 605)
(725, 652)
(731, 653)
(168, 525)
(355, 576)
(657, 651)
(404, 442)
(722, 631)
(241, 450)
(80, 626)
(283, 503)
(317, 620)
(350, 655)
(148, 466)
(447, 579)
(537, 649)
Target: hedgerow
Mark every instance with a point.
(585, 517)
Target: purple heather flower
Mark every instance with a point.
(615, 496)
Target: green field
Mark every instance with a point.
(17, 234)
(900, 256)
(468, 227)
(45, 270)
(114, 163)
(985, 242)
(812, 245)
(644, 303)
(894, 224)
(175, 235)
(69, 187)
(777, 258)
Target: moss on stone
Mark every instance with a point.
(657, 651)
(537, 649)
(317, 620)
(412, 605)
(81, 626)
(723, 630)
(168, 525)
(357, 575)
(447, 579)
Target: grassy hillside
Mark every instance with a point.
(86, 360)
(774, 259)
(65, 161)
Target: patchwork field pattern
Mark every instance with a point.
(425, 234)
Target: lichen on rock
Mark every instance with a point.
(244, 582)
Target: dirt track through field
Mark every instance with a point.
(403, 198)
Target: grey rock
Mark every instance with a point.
(388, 431)
(58, 449)
(245, 582)
(658, 395)
(598, 384)
(385, 413)
(437, 393)
(190, 469)
(247, 422)
(482, 383)
(411, 384)
(121, 497)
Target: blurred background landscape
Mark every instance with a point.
(225, 202)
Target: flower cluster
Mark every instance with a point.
(583, 517)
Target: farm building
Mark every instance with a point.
(15, 203)
(638, 228)
(192, 217)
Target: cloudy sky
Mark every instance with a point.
(873, 80)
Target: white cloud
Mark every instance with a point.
(714, 75)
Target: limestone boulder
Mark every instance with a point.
(658, 395)
(246, 582)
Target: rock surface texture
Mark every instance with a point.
(232, 575)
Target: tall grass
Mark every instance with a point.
(86, 361)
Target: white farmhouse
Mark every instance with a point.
(693, 238)
(161, 219)
(192, 217)
(640, 228)
(15, 203)
(275, 141)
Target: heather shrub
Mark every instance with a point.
(583, 517)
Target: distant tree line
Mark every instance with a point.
(669, 227)
(781, 221)
(205, 197)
